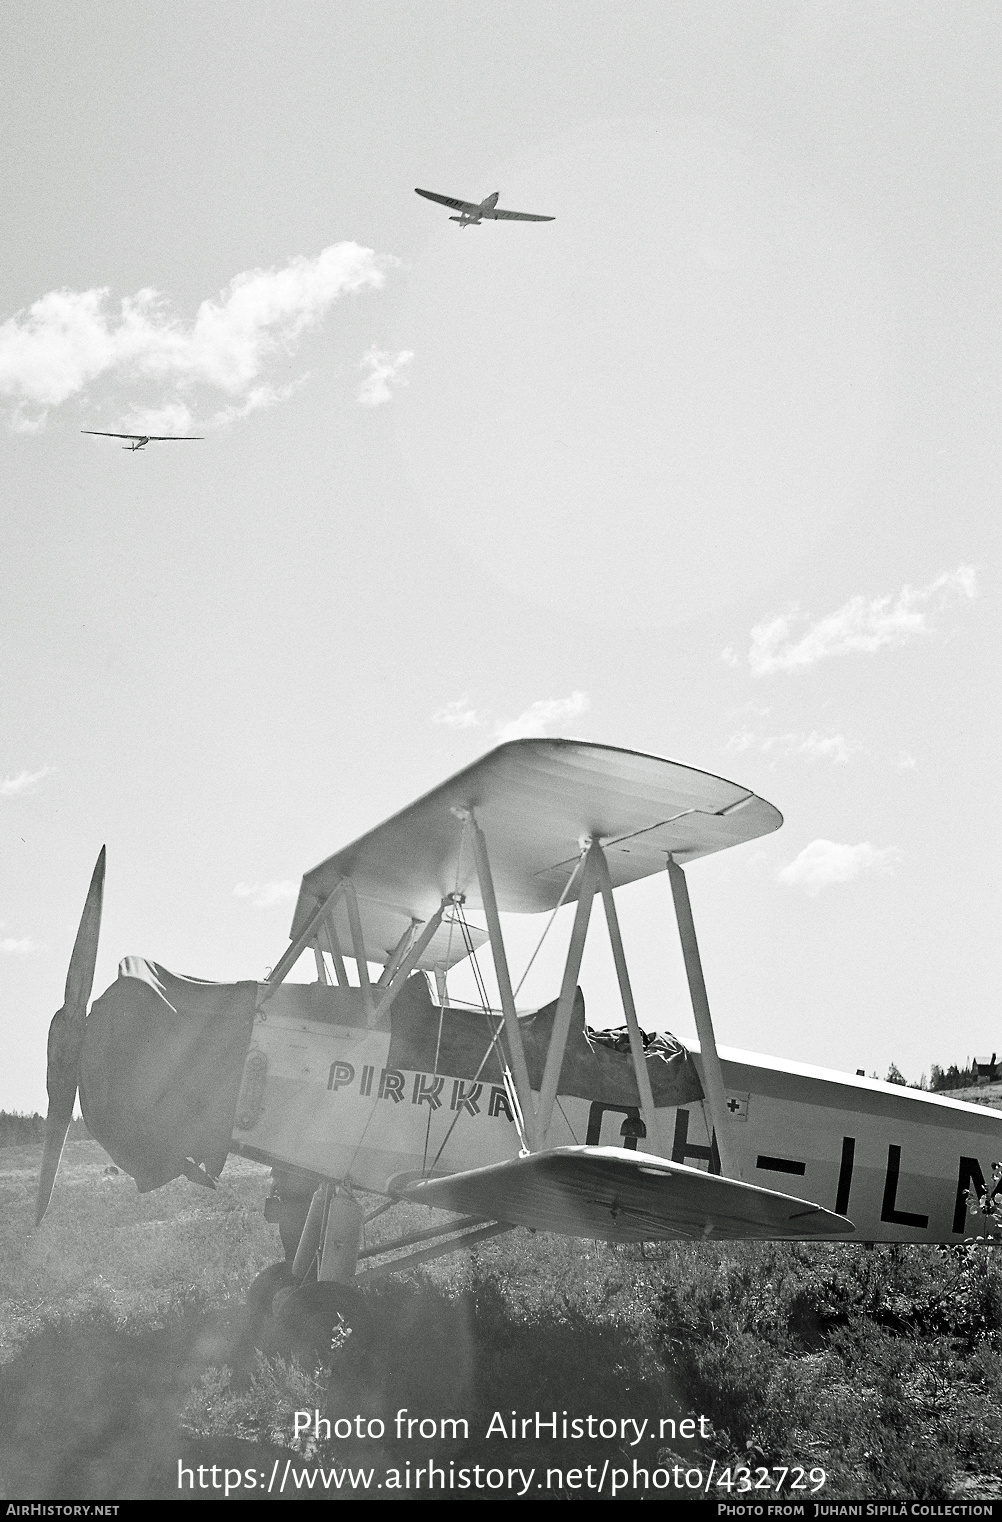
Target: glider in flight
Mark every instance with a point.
(471, 213)
(142, 439)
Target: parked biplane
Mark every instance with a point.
(385, 1086)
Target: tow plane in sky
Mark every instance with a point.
(364, 1092)
(142, 439)
(472, 213)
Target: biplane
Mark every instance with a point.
(383, 1086)
(471, 213)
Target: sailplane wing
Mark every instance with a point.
(500, 215)
(151, 438)
(613, 1195)
(432, 195)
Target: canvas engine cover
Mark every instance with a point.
(160, 1071)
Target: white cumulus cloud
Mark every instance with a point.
(384, 372)
(823, 863)
(860, 626)
(458, 715)
(267, 895)
(538, 717)
(24, 782)
(67, 340)
(22, 947)
(818, 746)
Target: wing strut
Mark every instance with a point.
(410, 961)
(322, 974)
(334, 946)
(713, 1078)
(520, 1069)
(587, 889)
(647, 1108)
(399, 952)
(288, 961)
(358, 947)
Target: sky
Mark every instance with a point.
(706, 467)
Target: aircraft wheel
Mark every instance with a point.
(326, 1322)
(259, 1323)
(264, 1288)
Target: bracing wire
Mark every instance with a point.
(559, 905)
(494, 1045)
(567, 1123)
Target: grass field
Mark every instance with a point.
(119, 1314)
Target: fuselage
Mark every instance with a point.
(323, 1096)
(472, 218)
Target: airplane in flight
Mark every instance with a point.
(471, 213)
(361, 1092)
(142, 439)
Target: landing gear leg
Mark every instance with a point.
(287, 1207)
(327, 1319)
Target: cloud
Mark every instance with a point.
(23, 947)
(267, 895)
(858, 626)
(538, 716)
(458, 715)
(384, 371)
(171, 417)
(24, 782)
(819, 747)
(257, 397)
(66, 340)
(534, 721)
(823, 863)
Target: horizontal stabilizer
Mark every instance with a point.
(617, 1196)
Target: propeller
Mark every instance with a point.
(66, 1038)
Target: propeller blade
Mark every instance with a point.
(66, 1038)
(55, 1136)
(80, 976)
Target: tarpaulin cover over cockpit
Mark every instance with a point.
(597, 1065)
(160, 1071)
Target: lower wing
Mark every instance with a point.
(619, 1196)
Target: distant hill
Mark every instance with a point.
(989, 1094)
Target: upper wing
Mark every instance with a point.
(431, 195)
(619, 1196)
(103, 433)
(169, 438)
(500, 215)
(535, 800)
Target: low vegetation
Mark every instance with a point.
(119, 1315)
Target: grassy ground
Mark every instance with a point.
(118, 1316)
